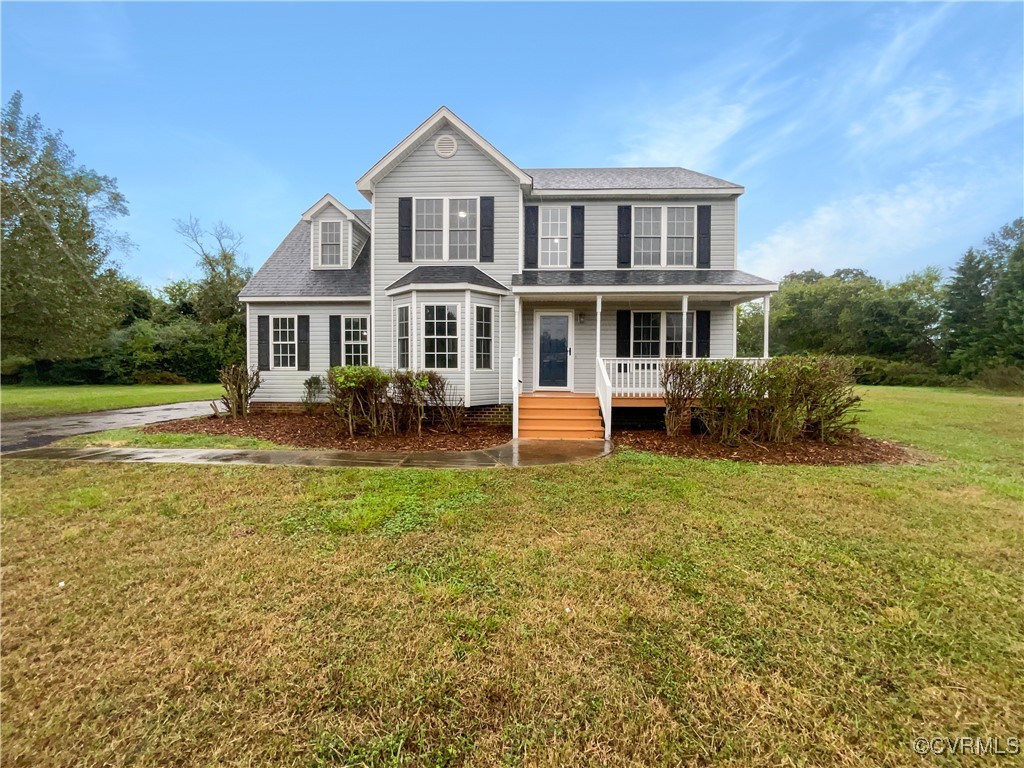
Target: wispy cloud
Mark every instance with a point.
(877, 231)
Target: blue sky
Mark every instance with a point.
(881, 136)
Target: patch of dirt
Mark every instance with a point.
(318, 431)
(855, 450)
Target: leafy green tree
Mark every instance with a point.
(215, 295)
(1006, 313)
(59, 285)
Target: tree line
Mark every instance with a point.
(920, 329)
(68, 313)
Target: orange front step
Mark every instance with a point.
(560, 417)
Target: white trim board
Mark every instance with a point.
(301, 299)
(428, 287)
(670, 290)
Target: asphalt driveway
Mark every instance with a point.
(32, 433)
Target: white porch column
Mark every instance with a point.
(767, 306)
(597, 342)
(469, 357)
(686, 314)
(517, 366)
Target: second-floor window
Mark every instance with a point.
(446, 229)
(554, 237)
(330, 243)
(663, 235)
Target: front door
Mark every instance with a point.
(554, 350)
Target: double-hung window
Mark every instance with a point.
(554, 237)
(664, 235)
(356, 341)
(402, 327)
(446, 229)
(330, 243)
(484, 337)
(441, 336)
(284, 343)
(657, 331)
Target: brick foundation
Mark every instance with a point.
(279, 407)
(494, 415)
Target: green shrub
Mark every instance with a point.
(312, 389)
(1005, 378)
(359, 397)
(159, 377)
(408, 395)
(779, 400)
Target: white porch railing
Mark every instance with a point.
(604, 397)
(641, 376)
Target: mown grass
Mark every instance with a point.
(20, 401)
(639, 610)
(134, 437)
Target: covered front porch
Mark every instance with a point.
(607, 349)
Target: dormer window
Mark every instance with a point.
(330, 243)
(446, 229)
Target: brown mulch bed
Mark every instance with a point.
(318, 431)
(855, 450)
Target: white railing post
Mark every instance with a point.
(767, 307)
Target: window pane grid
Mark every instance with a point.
(403, 337)
(674, 334)
(285, 352)
(646, 334)
(462, 223)
(681, 237)
(440, 336)
(330, 243)
(554, 237)
(483, 337)
(356, 341)
(430, 229)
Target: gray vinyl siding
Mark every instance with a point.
(600, 232)
(469, 173)
(584, 350)
(286, 386)
(359, 238)
(723, 322)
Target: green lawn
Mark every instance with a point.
(134, 437)
(636, 610)
(20, 402)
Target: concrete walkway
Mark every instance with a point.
(28, 433)
(516, 453)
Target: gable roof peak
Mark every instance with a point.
(330, 199)
(442, 116)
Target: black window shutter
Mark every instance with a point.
(702, 333)
(623, 317)
(704, 236)
(303, 345)
(405, 229)
(625, 235)
(530, 217)
(263, 342)
(576, 239)
(334, 339)
(486, 229)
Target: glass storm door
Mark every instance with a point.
(554, 346)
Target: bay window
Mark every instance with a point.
(441, 336)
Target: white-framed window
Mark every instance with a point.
(330, 243)
(554, 236)
(446, 228)
(284, 343)
(664, 235)
(484, 338)
(402, 335)
(441, 336)
(653, 332)
(355, 340)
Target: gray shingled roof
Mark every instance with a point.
(623, 178)
(646, 277)
(363, 214)
(447, 274)
(287, 271)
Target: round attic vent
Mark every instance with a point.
(446, 146)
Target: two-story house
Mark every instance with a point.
(550, 296)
